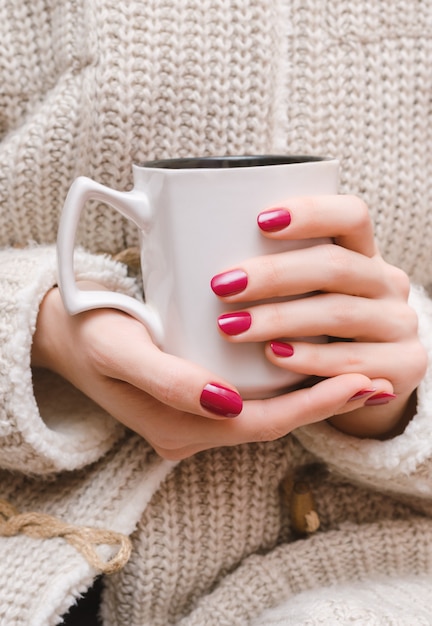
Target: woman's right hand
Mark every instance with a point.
(178, 407)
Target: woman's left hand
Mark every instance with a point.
(358, 300)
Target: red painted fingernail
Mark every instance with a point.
(235, 323)
(229, 283)
(274, 220)
(380, 398)
(220, 400)
(281, 349)
(362, 394)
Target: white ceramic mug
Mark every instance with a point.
(197, 217)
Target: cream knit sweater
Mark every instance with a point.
(88, 87)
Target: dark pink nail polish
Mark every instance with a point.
(229, 283)
(220, 400)
(282, 349)
(364, 393)
(274, 220)
(235, 323)
(380, 398)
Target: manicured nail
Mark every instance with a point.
(274, 220)
(229, 283)
(220, 400)
(281, 349)
(235, 323)
(363, 393)
(380, 398)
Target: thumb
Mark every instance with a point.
(175, 382)
(265, 420)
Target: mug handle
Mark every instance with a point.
(133, 205)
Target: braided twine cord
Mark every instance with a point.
(84, 539)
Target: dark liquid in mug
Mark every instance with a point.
(226, 162)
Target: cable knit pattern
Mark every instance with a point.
(88, 87)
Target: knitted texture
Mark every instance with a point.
(215, 544)
(88, 87)
(312, 565)
(52, 573)
(364, 604)
(376, 461)
(210, 78)
(33, 437)
(194, 77)
(214, 510)
(359, 89)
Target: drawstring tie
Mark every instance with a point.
(84, 539)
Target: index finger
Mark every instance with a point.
(344, 218)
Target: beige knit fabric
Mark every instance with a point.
(57, 442)
(224, 511)
(371, 602)
(194, 78)
(359, 85)
(88, 87)
(329, 77)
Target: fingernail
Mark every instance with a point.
(229, 283)
(281, 349)
(235, 323)
(220, 400)
(380, 398)
(274, 220)
(362, 394)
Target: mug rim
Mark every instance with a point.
(231, 161)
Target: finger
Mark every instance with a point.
(326, 268)
(128, 355)
(323, 314)
(378, 360)
(382, 416)
(344, 218)
(185, 386)
(267, 420)
(176, 435)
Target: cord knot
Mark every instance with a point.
(85, 539)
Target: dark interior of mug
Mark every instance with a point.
(224, 162)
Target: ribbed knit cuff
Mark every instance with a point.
(66, 430)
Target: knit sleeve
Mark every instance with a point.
(46, 425)
(402, 464)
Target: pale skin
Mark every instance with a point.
(362, 299)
